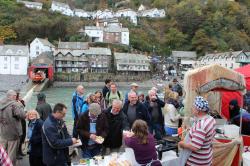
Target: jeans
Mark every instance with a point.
(36, 161)
(170, 130)
(75, 133)
(90, 152)
(156, 129)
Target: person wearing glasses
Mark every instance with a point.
(56, 139)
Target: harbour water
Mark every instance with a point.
(64, 95)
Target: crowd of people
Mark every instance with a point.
(104, 122)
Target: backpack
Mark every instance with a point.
(119, 94)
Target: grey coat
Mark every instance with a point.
(11, 113)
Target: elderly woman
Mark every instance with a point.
(35, 138)
(142, 142)
(200, 135)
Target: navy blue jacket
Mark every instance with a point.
(36, 139)
(141, 112)
(55, 140)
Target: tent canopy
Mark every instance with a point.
(226, 97)
(245, 70)
(213, 77)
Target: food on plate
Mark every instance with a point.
(99, 139)
(83, 161)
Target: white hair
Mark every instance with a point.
(151, 91)
(11, 93)
(116, 101)
(131, 93)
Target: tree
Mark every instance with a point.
(175, 39)
(202, 43)
(188, 15)
(7, 32)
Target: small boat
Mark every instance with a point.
(39, 76)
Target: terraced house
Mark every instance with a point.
(79, 57)
(132, 64)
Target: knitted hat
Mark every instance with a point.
(95, 109)
(201, 104)
(41, 96)
(233, 102)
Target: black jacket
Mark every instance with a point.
(117, 123)
(105, 90)
(44, 109)
(160, 105)
(55, 142)
(83, 127)
(141, 112)
(36, 139)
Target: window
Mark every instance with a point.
(16, 66)
(37, 52)
(16, 58)
(37, 47)
(5, 66)
(5, 58)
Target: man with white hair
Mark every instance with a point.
(77, 103)
(10, 124)
(154, 105)
(118, 122)
(134, 109)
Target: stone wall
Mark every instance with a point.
(96, 77)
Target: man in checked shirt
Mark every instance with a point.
(4, 158)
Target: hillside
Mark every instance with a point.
(199, 25)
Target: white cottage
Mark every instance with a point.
(103, 14)
(108, 34)
(14, 59)
(62, 8)
(152, 13)
(32, 5)
(226, 59)
(82, 13)
(127, 13)
(38, 46)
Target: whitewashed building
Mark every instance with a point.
(187, 59)
(152, 13)
(133, 64)
(32, 5)
(38, 46)
(131, 14)
(62, 8)
(14, 59)
(108, 32)
(82, 13)
(103, 14)
(94, 33)
(226, 59)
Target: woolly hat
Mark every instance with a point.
(95, 109)
(233, 102)
(41, 96)
(201, 104)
